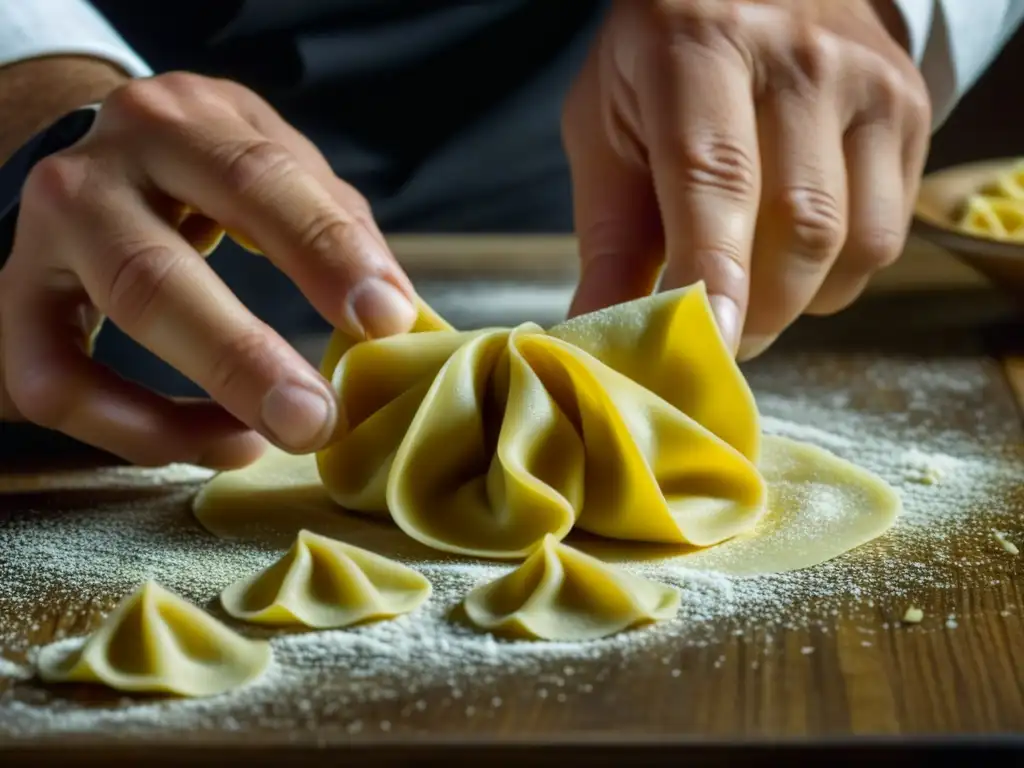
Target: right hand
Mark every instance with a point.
(103, 232)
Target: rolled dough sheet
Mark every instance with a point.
(279, 495)
(820, 506)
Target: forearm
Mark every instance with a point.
(36, 92)
(55, 56)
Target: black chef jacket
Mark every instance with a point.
(444, 113)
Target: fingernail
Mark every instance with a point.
(301, 417)
(727, 314)
(378, 309)
(752, 346)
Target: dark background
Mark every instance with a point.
(989, 121)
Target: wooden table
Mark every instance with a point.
(818, 688)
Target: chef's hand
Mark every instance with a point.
(101, 233)
(772, 148)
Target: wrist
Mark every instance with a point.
(36, 92)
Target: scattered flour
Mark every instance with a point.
(107, 478)
(13, 671)
(77, 562)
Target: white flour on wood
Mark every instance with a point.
(83, 561)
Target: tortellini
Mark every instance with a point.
(323, 583)
(156, 642)
(631, 423)
(559, 593)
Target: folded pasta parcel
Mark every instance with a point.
(632, 423)
(156, 642)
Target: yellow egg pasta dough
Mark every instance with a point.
(633, 423)
(157, 642)
(560, 593)
(324, 584)
(996, 210)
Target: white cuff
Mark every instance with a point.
(31, 29)
(954, 41)
(917, 15)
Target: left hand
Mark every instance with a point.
(772, 148)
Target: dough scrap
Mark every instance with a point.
(157, 642)
(913, 616)
(279, 495)
(325, 584)
(819, 506)
(560, 593)
(632, 423)
(276, 486)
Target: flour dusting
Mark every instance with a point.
(957, 487)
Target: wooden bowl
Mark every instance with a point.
(939, 202)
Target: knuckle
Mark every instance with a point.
(330, 234)
(876, 247)
(724, 266)
(815, 54)
(699, 23)
(816, 222)
(185, 84)
(57, 181)
(235, 360)
(720, 163)
(145, 104)
(250, 163)
(889, 98)
(918, 105)
(40, 398)
(136, 281)
(898, 96)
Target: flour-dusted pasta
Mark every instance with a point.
(633, 423)
(560, 593)
(323, 583)
(157, 642)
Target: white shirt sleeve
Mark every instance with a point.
(954, 41)
(31, 29)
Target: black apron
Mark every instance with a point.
(444, 114)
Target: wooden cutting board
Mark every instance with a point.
(831, 673)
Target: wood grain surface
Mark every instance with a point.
(931, 687)
(923, 266)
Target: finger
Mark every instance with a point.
(878, 216)
(916, 127)
(701, 134)
(255, 185)
(615, 209)
(270, 123)
(54, 383)
(802, 222)
(147, 279)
